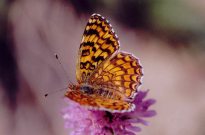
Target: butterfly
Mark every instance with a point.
(107, 78)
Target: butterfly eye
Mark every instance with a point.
(87, 89)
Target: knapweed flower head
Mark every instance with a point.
(82, 121)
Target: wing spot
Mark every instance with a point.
(127, 58)
(109, 67)
(118, 78)
(91, 44)
(119, 55)
(131, 71)
(86, 52)
(119, 73)
(134, 77)
(90, 20)
(91, 32)
(92, 67)
(87, 28)
(127, 84)
(127, 78)
(115, 69)
(134, 63)
(94, 26)
(104, 46)
(126, 65)
(100, 41)
(106, 35)
(92, 37)
(127, 92)
(119, 62)
(94, 49)
(98, 52)
(138, 71)
(97, 59)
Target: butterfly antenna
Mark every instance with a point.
(52, 92)
(56, 56)
(59, 61)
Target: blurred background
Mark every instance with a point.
(167, 36)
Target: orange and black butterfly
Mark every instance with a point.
(107, 78)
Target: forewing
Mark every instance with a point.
(121, 74)
(98, 44)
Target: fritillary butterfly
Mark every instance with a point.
(107, 78)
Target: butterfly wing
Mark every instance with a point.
(98, 44)
(121, 74)
(100, 103)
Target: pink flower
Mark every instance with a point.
(82, 121)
